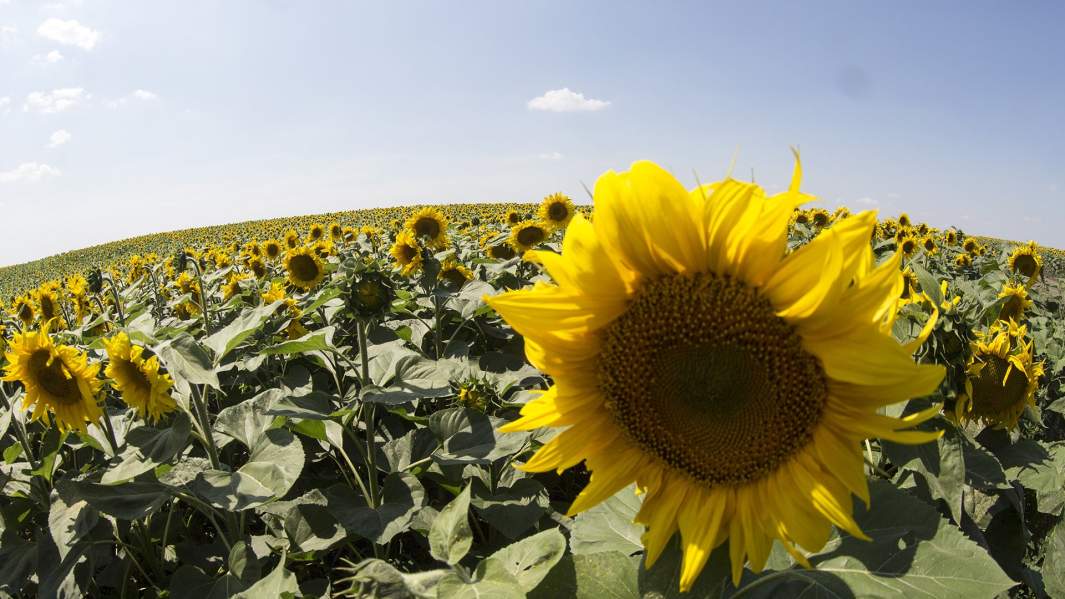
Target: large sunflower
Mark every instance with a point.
(556, 210)
(429, 226)
(407, 252)
(304, 268)
(1026, 261)
(1002, 377)
(733, 383)
(59, 380)
(138, 379)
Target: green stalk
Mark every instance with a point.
(203, 299)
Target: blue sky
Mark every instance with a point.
(202, 112)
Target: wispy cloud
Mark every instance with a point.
(142, 95)
(59, 138)
(5, 104)
(69, 33)
(46, 59)
(56, 100)
(28, 172)
(551, 156)
(8, 35)
(566, 100)
(867, 201)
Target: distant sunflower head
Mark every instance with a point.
(963, 261)
(910, 285)
(922, 229)
(304, 268)
(820, 218)
(453, 274)
(1016, 302)
(512, 217)
(904, 220)
(23, 310)
(336, 232)
(969, 245)
(371, 294)
(292, 239)
(60, 382)
(526, 235)
(840, 213)
(501, 251)
(928, 243)
(950, 237)
(48, 307)
(1002, 378)
(556, 210)
(801, 217)
(317, 232)
(428, 226)
(731, 380)
(1026, 261)
(137, 379)
(407, 253)
(272, 249)
(232, 287)
(909, 246)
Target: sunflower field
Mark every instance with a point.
(673, 392)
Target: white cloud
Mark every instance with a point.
(866, 201)
(28, 172)
(139, 94)
(46, 59)
(59, 138)
(8, 35)
(69, 33)
(551, 156)
(56, 100)
(5, 103)
(566, 100)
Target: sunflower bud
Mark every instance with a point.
(371, 294)
(96, 281)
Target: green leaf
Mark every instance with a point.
(511, 510)
(279, 583)
(242, 327)
(276, 461)
(469, 437)
(529, 560)
(148, 447)
(126, 501)
(402, 496)
(312, 406)
(312, 527)
(609, 526)
(450, 537)
(941, 464)
(187, 361)
(242, 562)
(70, 522)
(607, 575)
(1054, 557)
(249, 419)
(316, 341)
(189, 582)
(233, 491)
(1040, 467)
(378, 578)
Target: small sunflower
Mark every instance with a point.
(454, 274)
(732, 381)
(317, 232)
(904, 220)
(969, 245)
(950, 237)
(911, 286)
(1002, 378)
(336, 232)
(304, 268)
(929, 245)
(963, 261)
(801, 217)
(820, 218)
(908, 246)
(902, 233)
(292, 239)
(232, 286)
(1016, 302)
(428, 225)
(407, 252)
(1026, 261)
(47, 298)
(59, 380)
(137, 379)
(512, 217)
(526, 235)
(501, 251)
(23, 310)
(556, 210)
(840, 213)
(272, 249)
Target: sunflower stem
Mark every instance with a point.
(199, 399)
(118, 299)
(203, 299)
(20, 428)
(361, 329)
(109, 430)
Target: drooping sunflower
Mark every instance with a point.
(428, 226)
(501, 251)
(137, 379)
(60, 381)
(526, 235)
(911, 286)
(1026, 261)
(556, 210)
(1016, 301)
(407, 253)
(1001, 377)
(731, 382)
(454, 274)
(304, 268)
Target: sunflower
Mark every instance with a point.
(950, 237)
(512, 217)
(733, 383)
(904, 220)
(526, 235)
(316, 233)
(305, 269)
(137, 379)
(1001, 378)
(501, 251)
(257, 267)
(801, 217)
(969, 245)
(232, 286)
(902, 233)
(840, 213)
(59, 380)
(820, 218)
(292, 239)
(1016, 302)
(430, 226)
(454, 274)
(911, 286)
(1026, 261)
(272, 249)
(23, 310)
(929, 245)
(908, 246)
(556, 210)
(336, 232)
(963, 261)
(47, 299)
(407, 252)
